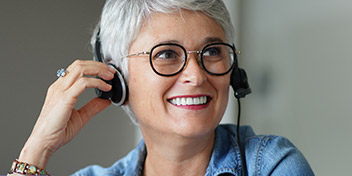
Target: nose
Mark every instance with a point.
(193, 74)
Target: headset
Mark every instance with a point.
(119, 91)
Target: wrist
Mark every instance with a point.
(35, 152)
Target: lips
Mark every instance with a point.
(190, 101)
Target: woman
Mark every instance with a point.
(177, 58)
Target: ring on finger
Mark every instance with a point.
(61, 72)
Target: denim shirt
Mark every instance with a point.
(265, 155)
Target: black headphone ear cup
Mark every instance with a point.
(239, 83)
(119, 91)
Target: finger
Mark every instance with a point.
(83, 83)
(81, 68)
(92, 108)
(78, 63)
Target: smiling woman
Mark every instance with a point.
(193, 81)
(178, 61)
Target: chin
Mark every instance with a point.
(195, 129)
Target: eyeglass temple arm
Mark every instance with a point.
(238, 52)
(139, 53)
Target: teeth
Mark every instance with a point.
(183, 101)
(189, 101)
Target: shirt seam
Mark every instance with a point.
(264, 141)
(235, 146)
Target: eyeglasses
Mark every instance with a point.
(169, 59)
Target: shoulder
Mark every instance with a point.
(131, 164)
(274, 155)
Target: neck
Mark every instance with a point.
(177, 155)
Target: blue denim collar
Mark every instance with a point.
(140, 154)
(225, 158)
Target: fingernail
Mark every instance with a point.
(107, 75)
(105, 87)
(113, 70)
(109, 87)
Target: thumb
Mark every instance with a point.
(92, 108)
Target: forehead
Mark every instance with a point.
(189, 28)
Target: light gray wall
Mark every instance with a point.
(36, 38)
(298, 58)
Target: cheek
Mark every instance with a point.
(222, 87)
(221, 84)
(139, 86)
(147, 91)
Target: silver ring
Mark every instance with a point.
(61, 72)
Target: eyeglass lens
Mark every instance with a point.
(170, 59)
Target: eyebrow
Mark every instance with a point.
(205, 41)
(209, 40)
(168, 41)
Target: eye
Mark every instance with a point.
(166, 55)
(212, 51)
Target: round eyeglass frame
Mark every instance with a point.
(199, 58)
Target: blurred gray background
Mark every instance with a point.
(297, 55)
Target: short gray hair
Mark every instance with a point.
(121, 21)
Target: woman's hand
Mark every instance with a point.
(59, 121)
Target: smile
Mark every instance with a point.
(189, 101)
